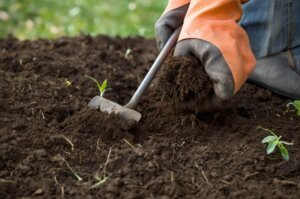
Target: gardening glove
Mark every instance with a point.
(171, 19)
(210, 32)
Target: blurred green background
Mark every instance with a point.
(31, 19)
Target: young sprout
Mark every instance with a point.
(102, 87)
(296, 105)
(128, 51)
(273, 141)
(68, 83)
(99, 182)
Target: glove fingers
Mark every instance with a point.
(182, 49)
(168, 23)
(163, 33)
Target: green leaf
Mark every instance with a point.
(103, 86)
(296, 105)
(284, 152)
(271, 147)
(270, 138)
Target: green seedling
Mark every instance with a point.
(295, 105)
(127, 53)
(99, 182)
(102, 87)
(68, 83)
(274, 141)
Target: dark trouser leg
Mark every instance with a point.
(278, 74)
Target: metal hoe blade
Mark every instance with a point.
(109, 107)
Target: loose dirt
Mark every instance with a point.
(183, 79)
(52, 145)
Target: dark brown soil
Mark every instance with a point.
(47, 134)
(183, 79)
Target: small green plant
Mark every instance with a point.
(99, 182)
(127, 53)
(68, 83)
(273, 141)
(295, 105)
(102, 87)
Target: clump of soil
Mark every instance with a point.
(183, 79)
(109, 127)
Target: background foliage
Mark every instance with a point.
(30, 19)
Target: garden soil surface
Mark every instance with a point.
(53, 146)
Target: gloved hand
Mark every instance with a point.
(211, 33)
(170, 20)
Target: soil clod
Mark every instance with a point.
(183, 79)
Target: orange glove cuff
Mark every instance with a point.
(173, 4)
(216, 22)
